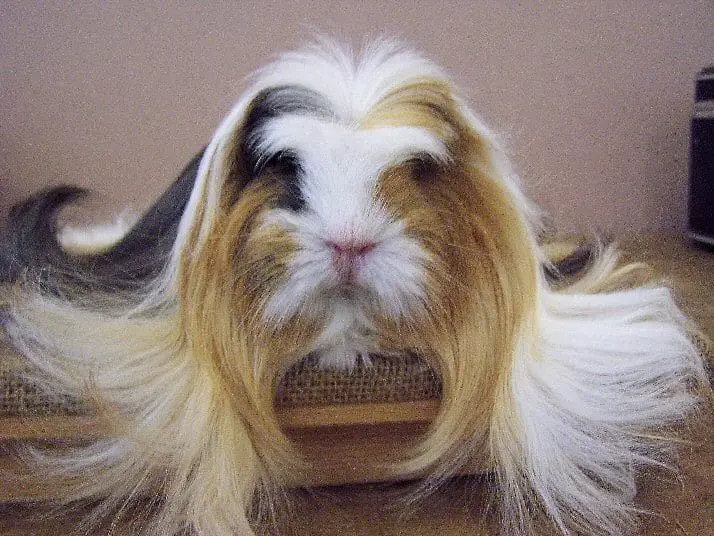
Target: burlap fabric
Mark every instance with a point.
(388, 379)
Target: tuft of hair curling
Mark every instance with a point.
(180, 330)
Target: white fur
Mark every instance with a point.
(605, 373)
(95, 239)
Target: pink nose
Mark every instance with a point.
(348, 256)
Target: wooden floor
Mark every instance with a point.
(680, 506)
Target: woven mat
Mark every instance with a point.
(389, 379)
(17, 397)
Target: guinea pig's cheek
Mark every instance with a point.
(395, 275)
(261, 265)
(302, 278)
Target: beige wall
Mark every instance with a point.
(593, 97)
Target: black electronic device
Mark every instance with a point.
(701, 161)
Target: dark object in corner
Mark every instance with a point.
(701, 161)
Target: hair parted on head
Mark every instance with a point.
(346, 206)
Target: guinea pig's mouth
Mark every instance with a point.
(351, 290)
(351, 294)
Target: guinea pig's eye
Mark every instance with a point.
(283, 162)
(285, 167)
(422, 165)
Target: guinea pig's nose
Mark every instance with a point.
(348, 256)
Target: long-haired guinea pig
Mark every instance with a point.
(345, 207)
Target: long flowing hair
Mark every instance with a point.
(563, 391)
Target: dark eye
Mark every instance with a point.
(285, 167)
(282, 162)
(423, 165)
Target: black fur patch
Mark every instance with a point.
(269, 104)
(286, 167)
(29, 246)
(274, 102)
(29, 238)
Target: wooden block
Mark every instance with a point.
(344, 444)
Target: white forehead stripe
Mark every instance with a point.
(315, 138)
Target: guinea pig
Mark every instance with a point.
(347, 206)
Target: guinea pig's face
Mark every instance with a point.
(363, 217)
(348, 209)
(350, 245)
